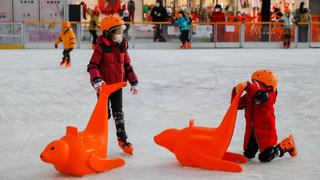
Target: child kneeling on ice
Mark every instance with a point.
(260, 133)
(184, 27)
(110, 63)
(68, 38)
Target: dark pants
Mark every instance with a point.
(265, 156)
(94, 35)
(303, 33)
(131, 16)
(158, 35)
(115, 106)
(66, 53)
(287, 36)
(184, 36)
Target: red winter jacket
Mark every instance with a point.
(111, 62)
(218, 17)
(260, 118)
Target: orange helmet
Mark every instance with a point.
(66, 24)
(111, 23)
(267, 77)
(287, 10)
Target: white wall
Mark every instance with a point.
(6, 10)
(139, 10)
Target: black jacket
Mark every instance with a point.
(163, 14)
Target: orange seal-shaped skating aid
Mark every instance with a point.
(205, 147)
(81, 153)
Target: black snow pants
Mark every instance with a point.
(265, 156)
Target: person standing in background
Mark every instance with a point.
(302, 15)
(126, 19)
(287, 26)
(218, 16)
(84, 10)
(94, 26)
(159, 14)
(131, 9)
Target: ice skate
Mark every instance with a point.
(68, 64)
(189, 45)
(183, 46)
(288, 145)
(63, 62)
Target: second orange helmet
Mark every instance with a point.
(268, 77)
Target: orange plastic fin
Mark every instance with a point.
(191, 123)
(100, 113)
(71, 130)
(100, 164)
(228, 122)
(234, 157)
(203, 161)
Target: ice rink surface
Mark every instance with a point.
(38, 99)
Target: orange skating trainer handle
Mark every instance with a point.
(81, 153)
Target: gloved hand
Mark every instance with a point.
(97, 84)
(56, 46)
(241, 85)
(134, 89)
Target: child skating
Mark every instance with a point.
(184, 27)
(94, 26)
(258, 104)
(110, 63)
(287, 26)
(68, 38)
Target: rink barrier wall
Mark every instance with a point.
(35, 34)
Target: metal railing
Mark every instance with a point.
(11, 35)
(166, 35)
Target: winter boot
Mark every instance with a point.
(288, 44)
(183, 46)
(68, 64)
(285, 44)
(189, 44)
(288, 145)
(63, 62)
(123, 143)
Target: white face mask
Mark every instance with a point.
(216, 10)
(158, 4)
(117, 38)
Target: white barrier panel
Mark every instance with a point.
(248, 35)
(6, 11)
(52, 10)
(11, 35)
(26, 10)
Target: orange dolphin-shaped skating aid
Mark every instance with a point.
(81, 153)
(205, 147)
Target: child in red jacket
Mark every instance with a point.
(261, 132)
(110, 63)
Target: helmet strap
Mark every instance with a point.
(105, 33)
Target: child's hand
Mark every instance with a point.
(241, 85)
(134, 89)
(97, 85)
(56, 46)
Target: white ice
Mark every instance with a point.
(38, 99)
